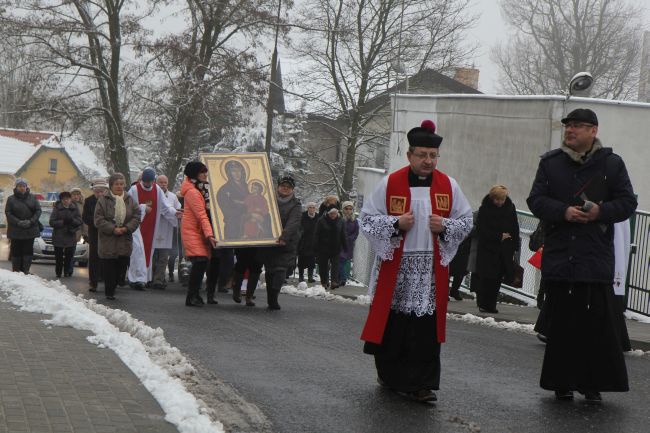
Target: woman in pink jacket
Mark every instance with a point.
(196, 230)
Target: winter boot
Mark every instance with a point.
(16, 264)
(310, 275)
(238, 279)
(273, 290)
(253, 278)
(27, 263)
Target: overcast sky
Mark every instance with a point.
(490, 30)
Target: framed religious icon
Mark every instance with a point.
(242, 199)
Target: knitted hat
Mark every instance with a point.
(75, 189)
(287, 179)
(148, 174)
(21, 181)
(193, 168)
(98, 183)
(346, 204)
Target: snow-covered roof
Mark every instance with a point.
(15, 153)
(84, 157)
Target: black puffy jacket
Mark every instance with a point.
(579, 252)
(65, 221)
(21, 207)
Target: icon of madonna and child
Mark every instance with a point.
(246, 212)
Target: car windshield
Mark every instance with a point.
(45, 217)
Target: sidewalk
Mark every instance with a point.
(639, 332)
(53, 380)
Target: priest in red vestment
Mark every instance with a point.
(153, 206)
(415, 220)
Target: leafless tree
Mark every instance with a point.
(84, 40)
(557, 38)
(21, 86)
(351, 50)
(206, 74)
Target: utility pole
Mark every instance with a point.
(273, 83)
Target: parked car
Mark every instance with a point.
(43, 248)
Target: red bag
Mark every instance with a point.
(536, 259)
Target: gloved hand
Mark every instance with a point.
(24, 224)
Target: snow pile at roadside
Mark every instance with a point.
(490, 322)
(636, 316)
(144, 350)
(319, 292)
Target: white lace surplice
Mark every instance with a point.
(415, 288)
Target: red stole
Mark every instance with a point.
(398, 201)
(148, 224)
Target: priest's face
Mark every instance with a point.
(423, 160)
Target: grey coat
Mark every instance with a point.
(110, 245)
(22, 207)
(284, 257)
(66, 222)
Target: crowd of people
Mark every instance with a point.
(422, 230)
(135, 234)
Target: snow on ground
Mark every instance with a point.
(319, 292)
(160, 367)
(490, 322)
(638, 317)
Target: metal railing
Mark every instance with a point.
(637, 286)
(638, 276)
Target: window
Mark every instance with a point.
(53, 162)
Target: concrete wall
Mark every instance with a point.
(498, 139)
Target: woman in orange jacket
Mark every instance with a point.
(196, 230)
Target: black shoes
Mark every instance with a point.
(274, 307)
(194, 302)
(137, 286)
(456, 296)
(171, 278)
(564, 395)
(158, 286)
(311, 280)
(422, 396)
(212, 301)
(593, 396)
(110, 298)
(487, 310)
(222, 290)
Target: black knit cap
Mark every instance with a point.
(424, 135)
(287, 179)
(193, 168)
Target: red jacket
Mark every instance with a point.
(195, 226)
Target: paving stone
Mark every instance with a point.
(52, 380)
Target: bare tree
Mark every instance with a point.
(557, 38)
(84, 40)
(349, 47)
(209, 72)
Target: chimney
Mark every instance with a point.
(467, 76)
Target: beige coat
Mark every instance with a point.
(110, 245)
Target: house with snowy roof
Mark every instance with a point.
(39, 157)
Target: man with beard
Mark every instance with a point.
(580, 191)
(415, 221)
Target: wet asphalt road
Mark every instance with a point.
(303, 366)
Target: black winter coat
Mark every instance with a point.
(329, 238)
(579, 252)
(284, 257)
(22, 207)
(65, 221)
(88, 217)
(494, 258)
(306, 244)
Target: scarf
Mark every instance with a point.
(284, 199)
(120, 209)
(583, 157)
(205, 192)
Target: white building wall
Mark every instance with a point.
(492, 140)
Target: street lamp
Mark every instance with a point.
(580, 84)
